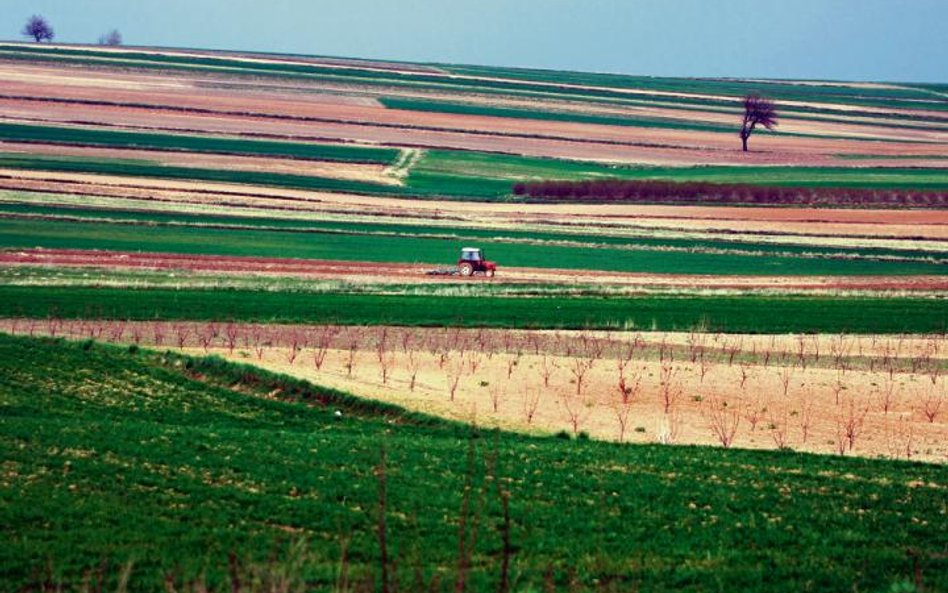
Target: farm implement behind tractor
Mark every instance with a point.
(470, 263)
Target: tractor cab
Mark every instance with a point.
(472, 261)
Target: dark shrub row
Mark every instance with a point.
(618, 190)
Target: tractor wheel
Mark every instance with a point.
(490, 273)
(466, 269)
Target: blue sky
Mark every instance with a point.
(883, 40)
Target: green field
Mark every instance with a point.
(736, 314)
(175, 466)
(472, 165)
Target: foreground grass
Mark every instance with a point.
(736, 314)
(183, 467)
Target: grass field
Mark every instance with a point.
(469, 165)
(752, 314)
(176, 465)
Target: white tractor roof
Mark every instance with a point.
(470, 249)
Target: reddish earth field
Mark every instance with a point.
(873, 396)
(368, 272)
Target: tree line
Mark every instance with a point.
(673, 192)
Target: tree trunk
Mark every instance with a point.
(744, 141)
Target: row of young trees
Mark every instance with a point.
(755, 389)
(39, 29)
(648, 191)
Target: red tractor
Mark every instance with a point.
(472, 262)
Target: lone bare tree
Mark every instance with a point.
(113, 37)
(38, 28)
(757, 111)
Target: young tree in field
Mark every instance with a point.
(207, 335)
(669, 428)
(530, 401)
(754, 411)
(138, 332)
(38, 28)
(414, 363)
(323, 340)
(786, 374)
(496, 397)
(850, 418)
(723, 420)
(297, 341)
(579, 367)
(181, 332)
(621, 408)
(112, 38)
(901, 439)
(258, 340)
(352, 348)
(577, 409)
(158, 332)
(931, 404)
(454, 371)
(779, 424)
(231, 333)
(758, 111)
(745, 373)
(669, 386)
(628, 387)
(547, 366)
(512, 361)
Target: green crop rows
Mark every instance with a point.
(738, 314)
